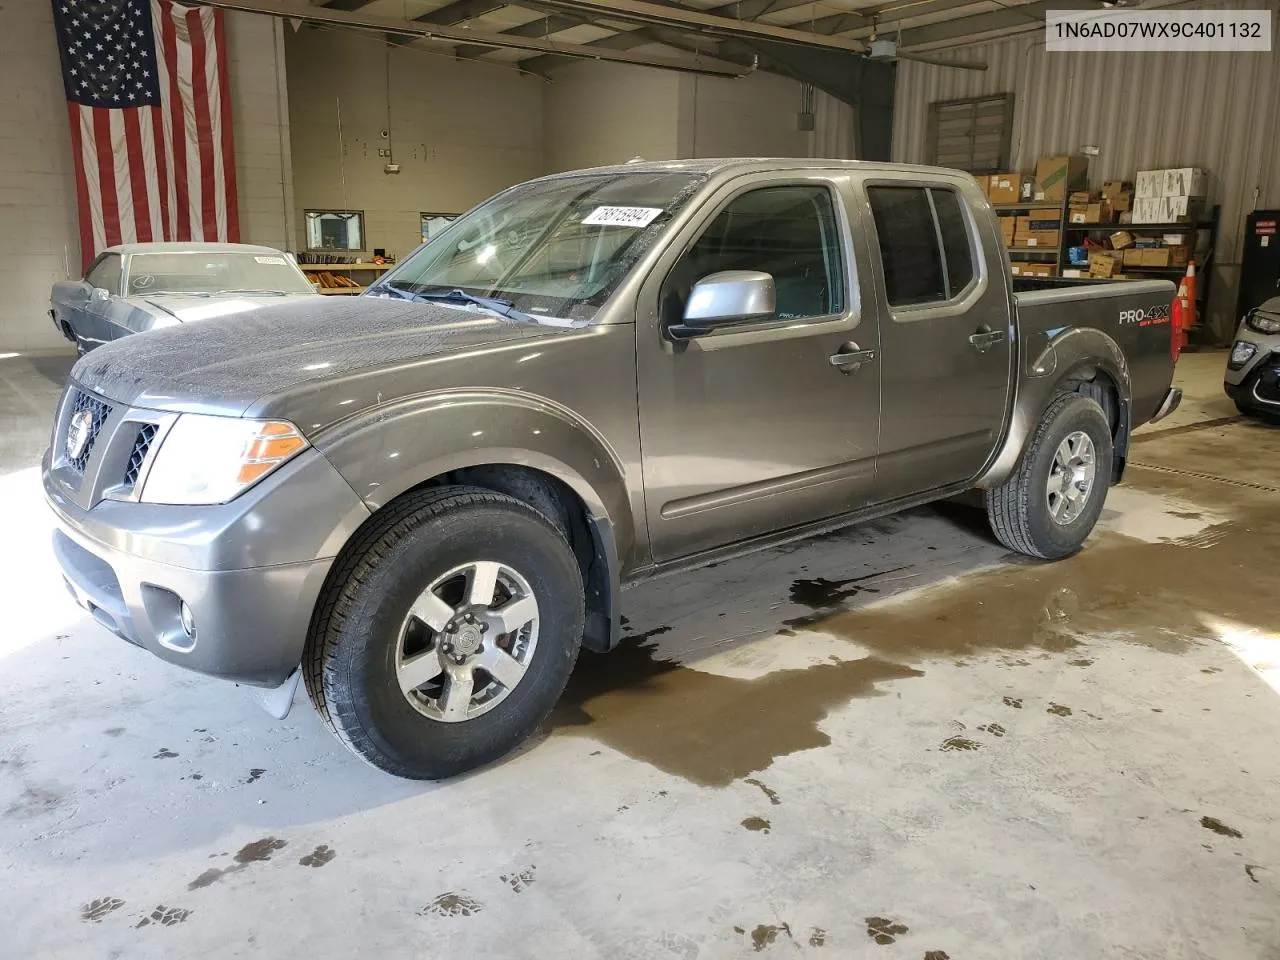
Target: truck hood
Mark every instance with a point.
(226, 364)
(186, 309)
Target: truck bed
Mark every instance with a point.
(1136, 314)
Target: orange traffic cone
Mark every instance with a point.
(1189, 319)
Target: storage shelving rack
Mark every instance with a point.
(1204, 264)
(1053, 255)
(376, 269)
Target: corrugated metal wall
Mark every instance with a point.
(1219, 111)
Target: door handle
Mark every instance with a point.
(849, 358)
(984, 340)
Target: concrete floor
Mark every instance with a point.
(895, 742)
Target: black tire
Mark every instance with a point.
(349, 664)
(1018, 510)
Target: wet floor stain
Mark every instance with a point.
(1015, 702)
(767, 791)
(884, 931)
(1249, 868)
(936, 955)
(113, 731)
(318, 857)
(164, 753)
(452, 905)
(766, 934)
(165, 917)
(1218, 827)
(256, 852)
(34, 802)
(254, 775)
(712, 729)
(95, 910)
(959, 743)
(1058, 709)
(993, 728)
(1081, 662)
(1210, 669)
(819, 593)
(709, 729)
(759, 824)
(520, 881)
(817, 937)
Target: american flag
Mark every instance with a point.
(150, 112)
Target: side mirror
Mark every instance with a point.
(100, 294)
(724, 299)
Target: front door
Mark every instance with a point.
(946, 339)
(754, 428)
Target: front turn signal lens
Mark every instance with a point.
(207, 459)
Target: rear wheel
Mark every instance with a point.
(448, 633)
(1050, 504)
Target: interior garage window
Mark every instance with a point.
(335, 230)
(925, 250)
(971, 134)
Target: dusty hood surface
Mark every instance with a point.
(226, 364)
(188, 309)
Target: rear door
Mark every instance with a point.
(754, 428)
(945, 337)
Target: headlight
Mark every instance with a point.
(1241, 354)
(1263, 323)
(206, 459)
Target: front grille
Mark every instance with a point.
(99, 412)
(138, 456)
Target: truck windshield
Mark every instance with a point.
(553, 249)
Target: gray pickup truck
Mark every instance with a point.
(424, 501)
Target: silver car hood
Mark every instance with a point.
(227, 364)
(187, 308)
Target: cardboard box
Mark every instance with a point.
(1008, 229)
(1096, 212)
(1179, 254)
(1121, 239)
(1081, 198)
(1179, 210)
(1126, 217)
(1040, 239)
(1132, 257)
(1074, 274)
(1114, 188)
(1004, 187)
(1157, 257)
(1148, 185)
(1150, 210)
(1024, 269)
(1122, 201)
(1185, 182)
(1102, 264)
(1058, 176)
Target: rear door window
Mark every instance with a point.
(925, 247)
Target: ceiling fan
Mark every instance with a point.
(886, 51)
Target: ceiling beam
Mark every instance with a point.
(1029, 16)
(460, 11)
(345, 4)
(688, 20)
(364, 21)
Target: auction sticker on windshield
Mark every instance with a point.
(622, 216)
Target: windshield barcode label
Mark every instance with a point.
(622, 216)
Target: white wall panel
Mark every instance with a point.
(1220, 111)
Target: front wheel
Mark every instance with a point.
(447, 633)
(1050, 504)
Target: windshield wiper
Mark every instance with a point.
(492, 304)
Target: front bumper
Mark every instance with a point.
(1172, 400)
(133, 565)
(1257, 384)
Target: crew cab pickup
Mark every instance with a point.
(423, 501)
